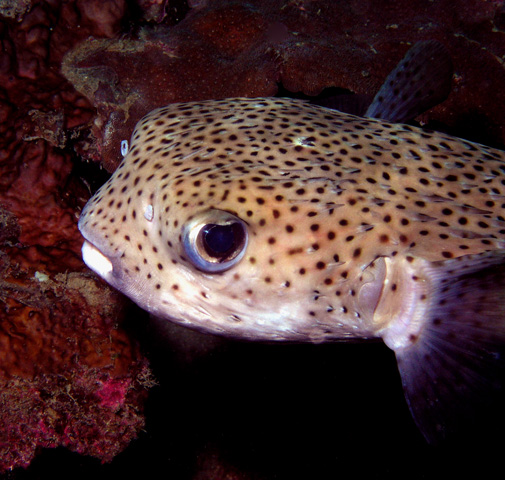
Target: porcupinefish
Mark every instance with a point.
(274, 219)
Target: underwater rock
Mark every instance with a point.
(69, 375)
(232, 48)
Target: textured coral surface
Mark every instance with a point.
(236, 48)
(68, 375)
(75, 76)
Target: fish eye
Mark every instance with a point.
(215, 240)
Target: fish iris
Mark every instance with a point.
(222, 240)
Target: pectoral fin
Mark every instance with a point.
(453, 368)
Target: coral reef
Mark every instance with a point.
(233, 48)
(69, 376)
(69, 373)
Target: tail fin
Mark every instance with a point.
(453, 372)
(420, 81)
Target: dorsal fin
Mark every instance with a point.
(420, 81)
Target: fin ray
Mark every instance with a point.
(420, 81)
(453, 373)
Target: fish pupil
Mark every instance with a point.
(220, 241)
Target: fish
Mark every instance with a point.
(273, 219)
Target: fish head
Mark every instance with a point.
(271, 219)
(199, 227)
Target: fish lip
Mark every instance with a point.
(94, 258)
(102, 260)
(100, 256)
(107, 267)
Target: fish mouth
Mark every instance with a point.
(102, 257)
(96, 260)
(106, 265)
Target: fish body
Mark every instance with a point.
(324, 195)
(274, 219)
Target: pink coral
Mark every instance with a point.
(112, 392)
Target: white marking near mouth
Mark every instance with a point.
(96, 260)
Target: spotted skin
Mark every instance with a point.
(354, 228)
(324, 194)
